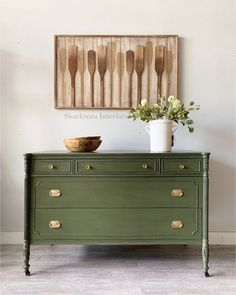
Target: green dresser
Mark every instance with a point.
(116, 198)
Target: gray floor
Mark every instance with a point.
(116, 270)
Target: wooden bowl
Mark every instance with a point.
(89, 137)
(82, 144)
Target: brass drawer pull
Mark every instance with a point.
(145, 166)
(87, 167)
(54, 224)
(177, 192)
(181, 166)
(176, 224)
(51, 166)
(54, 193)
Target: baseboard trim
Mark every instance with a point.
(222, 238)
(215, 238)
(11, 238)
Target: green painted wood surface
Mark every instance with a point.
(59, 167)
(154, 240)
(134, 223)
(173, 165)
(116, 192)
(113, 166)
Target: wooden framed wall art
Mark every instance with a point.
(114, 72)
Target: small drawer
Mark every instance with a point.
(52, 167)
(112, 167)
(181, 166)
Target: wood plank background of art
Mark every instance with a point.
(114, 72)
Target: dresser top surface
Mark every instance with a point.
(119, 153)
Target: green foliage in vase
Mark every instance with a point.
(169, 109)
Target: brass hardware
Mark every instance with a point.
(87, 167)
(145, 166)
(181, 166)
(176, 224)
(177, 192)
(54, 193)
(50, 166)
(54, 224)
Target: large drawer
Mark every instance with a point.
(120, 223)
(181, 166)
(114, 166)
(52, 167)
(113, 193)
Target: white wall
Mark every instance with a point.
(207, 73)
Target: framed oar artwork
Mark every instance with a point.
(114, 72)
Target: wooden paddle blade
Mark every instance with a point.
(159, 59)
(102, 51)
(148, 60)
(149, 53)
(91, 68)
(111, 56)
(169, 60)
(62, 59)
(91, 61)
(139, 59)
(130, 69)
(129, 61)
(120, 70)
(81, 61)
(169, 67)
(72, 59)
(81, 69)
(120, 64)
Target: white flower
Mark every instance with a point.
(176, 103)
(143, 102)
(171, 98)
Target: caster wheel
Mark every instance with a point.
(207, 274)
(27, 273)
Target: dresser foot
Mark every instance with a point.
(26, 254)
(27, 272)
(205, 257)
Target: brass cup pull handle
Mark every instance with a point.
(181, 166)
(51, 166)
(177, 192)
(176, 224)
(145, 166)
(54, 193)
(87, 167)
(54, 224)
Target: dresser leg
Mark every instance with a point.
(26, 254)
(205, 257)
(205, 195)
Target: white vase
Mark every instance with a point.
(160, 132)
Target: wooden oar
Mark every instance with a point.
(102, 69)
(111, 64)
(159, 66)
(62, 66)
(139, 66)
(168, 71)
(130, 69)
(81, 68)
(120, 71)
(72, 65)
(149, 58)
(91, 69)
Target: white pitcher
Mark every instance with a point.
(160, 132)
